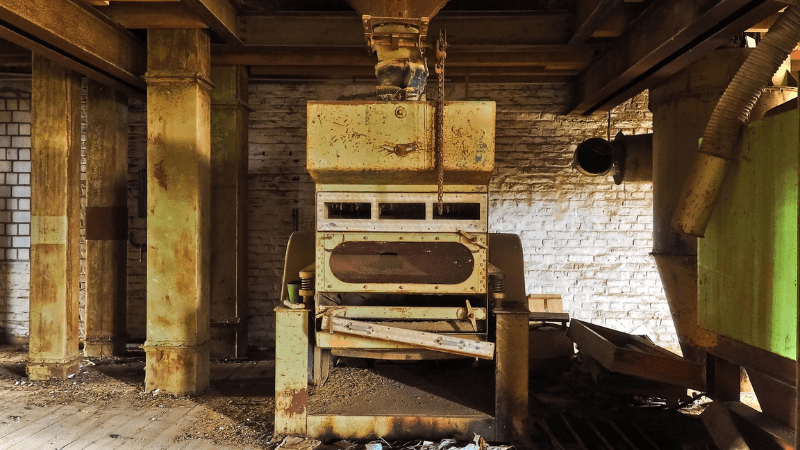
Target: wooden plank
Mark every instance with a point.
(660, 43)
(780, 434)
(73, 428)
(127, 431)
(720, 425)
(409, 313)
(91, 40)
(46, 429)
(588, 16)
(594, 340)
(167, 437)
(29, 423)
(111, 417)
(220, 15)
(420, 339)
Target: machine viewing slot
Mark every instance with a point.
(402, 211)
(348, 210)
(458, 211)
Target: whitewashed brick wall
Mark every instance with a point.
(584, 238)
(15, 206)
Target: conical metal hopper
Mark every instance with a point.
(401, 9)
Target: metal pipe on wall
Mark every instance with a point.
(628, 158)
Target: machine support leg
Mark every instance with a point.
(55, 221)
(291, 370)
(106, 221)
(511, 373)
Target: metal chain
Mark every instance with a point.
(441, 48)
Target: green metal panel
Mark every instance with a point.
(748, 259)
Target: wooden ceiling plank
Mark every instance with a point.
(663, 33)
(589, 15)
(221, 17)
(91, 40)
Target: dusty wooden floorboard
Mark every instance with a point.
(110, 418)
(49, 429)
(31, 427)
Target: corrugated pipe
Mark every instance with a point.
(732, 111)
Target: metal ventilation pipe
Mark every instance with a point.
(628, 158)
(717, 145)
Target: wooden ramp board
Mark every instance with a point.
(635, 355)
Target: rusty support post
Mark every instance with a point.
(106, 221)
(511, 373)
(178, 161)
(291, 370)
(55, 221)
(229, 113)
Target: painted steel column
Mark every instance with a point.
(55, 221)
(229, 141)
(178, 257)
(106, 220)
(511, 373)
(291, 370)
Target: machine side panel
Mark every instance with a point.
(748, 259)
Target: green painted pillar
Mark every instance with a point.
(178, 200)
(106, 220)
(55, 221)
(229, 114)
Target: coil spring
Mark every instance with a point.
(307, 283)
(498, 283)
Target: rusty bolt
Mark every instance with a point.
(400, 112)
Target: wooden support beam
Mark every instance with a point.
(91, 44)
(106, 221)
(178, 214)
(666, 37)
(220, 15)
(722, 379)
(153, 15)
(546, 56)
(719, 422)
(346, 30)
(229, 113)
(55, 221)
(588, 16)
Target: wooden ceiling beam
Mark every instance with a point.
(78, 37)
(221, 17)
(589, 15)
(346, 30)
(668, 36)
(548, 56)
(152, 15)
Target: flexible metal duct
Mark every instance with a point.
(717, 145)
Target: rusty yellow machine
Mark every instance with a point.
(401, 264)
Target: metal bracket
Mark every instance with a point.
(395, 40)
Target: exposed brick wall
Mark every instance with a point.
(15, 206)
(584, 238)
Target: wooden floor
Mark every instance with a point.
(88, 427)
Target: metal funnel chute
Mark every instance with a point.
(401, 9)
(395, 31)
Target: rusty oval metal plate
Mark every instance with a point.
(402, 262)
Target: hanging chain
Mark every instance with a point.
(441, 54)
